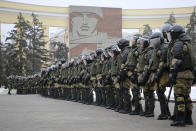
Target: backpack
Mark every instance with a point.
(192, 52)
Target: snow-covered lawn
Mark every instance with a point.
(193, 92)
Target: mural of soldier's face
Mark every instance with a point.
(84, 23)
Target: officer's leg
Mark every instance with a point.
(77, 94)
(151, 103)
(137, 101)
(146, 97)
(112, 98)
(9, 91)
(188, 104)
(103, 93)
(180, 103)
(160, 95)
(90, 96)
(127, 101)
(119, 99)
(107, 97)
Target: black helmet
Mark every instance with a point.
(115, 50)
(122, 43)
(156, 39)
(70, 63)
(165, 27)
(93, 55)
(145, 41)
(137, 35)
(99, 51)
(86, 59)
(63, 60)
(175, 32)
(109, 47)
(135, 39)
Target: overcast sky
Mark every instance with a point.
(125, 4)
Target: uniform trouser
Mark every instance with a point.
(60, 93)
(64, 93)
(73, 93)
(163, 101)
(83, 95)
(119, 98)
(127, 100)
(88, 96)
(98, 95)
(149, 99)
(182, 90)
(56, 92)
(103, 95)
(110, 100)
(47, 91)
(126, 85)
(146, 100)
(107, 98)
(78, 97)
(69, 93)
(137, 98)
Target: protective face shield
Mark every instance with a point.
(141, 45)
(144, 42)
(102, 57)
(105, 53)
(156, 42)
(79, 60)
(84, 61)
(111, 53)
(169, 37)
(115, 50)
(134, 41)
(93, 55)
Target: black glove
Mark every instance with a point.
(172, 78)
(156, 78)
(134, 78)
(145, 77)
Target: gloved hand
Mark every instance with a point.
(172, 78)
(134, 78)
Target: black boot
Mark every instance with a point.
(107, 98)
(112, 99)
(127, 105)
(137, 105)
(151, 104)
(180, 119)
(9, 92)
(188, 118)
(89, 96)
(119, 100)
(103, 94)
(146, 99)
(163, 105)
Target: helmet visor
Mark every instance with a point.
(155, 42)
(169, 37)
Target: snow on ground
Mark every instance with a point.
(5, 91)
(193, 92)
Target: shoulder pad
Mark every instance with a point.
(185, 38)
(148, 55)
(178, 49)
(126, 52)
